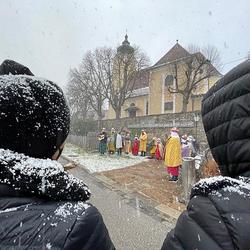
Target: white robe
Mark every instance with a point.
(118, 141)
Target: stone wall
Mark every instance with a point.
(155, 125)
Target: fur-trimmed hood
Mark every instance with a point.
(38, 177)
(214, 185)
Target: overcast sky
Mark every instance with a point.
(51, 36)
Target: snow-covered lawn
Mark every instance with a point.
(94, 162)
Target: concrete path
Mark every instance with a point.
(129, 224)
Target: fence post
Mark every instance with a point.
(188, 176)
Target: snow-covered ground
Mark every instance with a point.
(94, 162)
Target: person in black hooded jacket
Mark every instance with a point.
(218, 213)
(41, 205)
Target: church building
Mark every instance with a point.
(154, 90)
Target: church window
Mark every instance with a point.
(132, 111)
(169, 81)
(168, 106)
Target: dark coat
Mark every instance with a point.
(43, 207)
(217, 217)
(32, 223)
(218, 214)
(226, 120)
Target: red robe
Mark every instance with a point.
(135, 148)
(159, 151)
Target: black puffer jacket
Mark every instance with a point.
(226, 120)
(217, 217)
(43, 207)
(218, 214)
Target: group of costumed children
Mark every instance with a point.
(119, 142)
(175, 147)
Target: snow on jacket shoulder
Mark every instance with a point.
(217, 217)
(29, 223)
(43, 207)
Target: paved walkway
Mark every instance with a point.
(131, 224)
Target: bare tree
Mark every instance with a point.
(107, 74)
(122, 73)
(191, 71)
(77, 97)
(90, 79)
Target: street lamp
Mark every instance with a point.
(196, 120)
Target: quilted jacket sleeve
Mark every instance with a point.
(200, 227)
(89, 232)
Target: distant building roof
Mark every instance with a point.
(175, 53)
(140, 92)
(132, 108)
(125, 47)
(178, 53)
(142, 80)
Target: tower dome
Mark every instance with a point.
(125, 48)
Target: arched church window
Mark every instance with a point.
(169, 81)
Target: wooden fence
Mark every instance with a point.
(88, 142)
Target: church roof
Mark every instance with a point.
(125, 47)
(142, 79)
(140, 92)
(175, 53)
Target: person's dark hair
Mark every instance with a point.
(34, 115)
